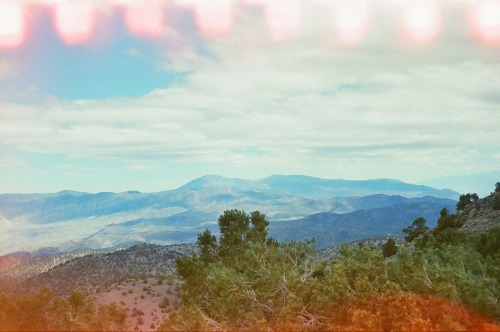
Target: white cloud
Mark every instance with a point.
(305, 106)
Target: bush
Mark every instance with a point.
(496, 202)
(389, 248)
(164, 303)
(488, 243)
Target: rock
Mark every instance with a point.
(480, 216)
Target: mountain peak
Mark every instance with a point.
(214, 181)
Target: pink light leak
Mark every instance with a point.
(215, 17)
(422, 20)
(352, 19)
(12, 24)
(486, 21)
(185, 2)
(282, 18)
(145, 17)
(75, 21)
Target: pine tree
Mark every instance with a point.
(389, 248)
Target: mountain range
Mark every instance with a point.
(297, 206)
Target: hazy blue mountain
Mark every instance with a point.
(216, 181)
(70, 219)
(306, 186)
(331, 228)
(350, 204)
(311, 187)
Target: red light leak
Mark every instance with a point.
(145, 18)
(282, 18)
(75, 21)
(12, 24)
(214, 18)
(486, 21)
(352, 20)
(422, 20)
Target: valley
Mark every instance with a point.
(129, 265)
(69, 221)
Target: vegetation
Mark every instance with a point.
(496, 202)
(439, 279)
(46, 311)
(416, 229)
(91, 272)
(389, 248)
(248, 281)
(465, 200)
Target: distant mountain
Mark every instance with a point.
(71, 220)
(481, 183)
(332, 228)
(311, 187)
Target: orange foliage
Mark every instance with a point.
(392, 312)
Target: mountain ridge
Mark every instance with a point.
(335, 228)
(72, 220)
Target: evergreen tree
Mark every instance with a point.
(266, 285)
(417, 228)
(465, 200)
(389, 248)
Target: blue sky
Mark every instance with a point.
(263, 95)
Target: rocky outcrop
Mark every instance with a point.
(480, 216)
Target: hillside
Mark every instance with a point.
(92, 272)
(331, 228)
(19, 266)
(481, 216)
(144, 283)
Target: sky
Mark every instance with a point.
(122, 95)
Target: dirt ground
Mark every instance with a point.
(142, 298)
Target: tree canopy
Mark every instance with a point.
(247, 281)
(465, 200)
(418, 227)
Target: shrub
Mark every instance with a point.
(164, 303)
(496, 202)
(389, 248)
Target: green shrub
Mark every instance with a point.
(496, 202)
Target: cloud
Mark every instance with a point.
(303, 105)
